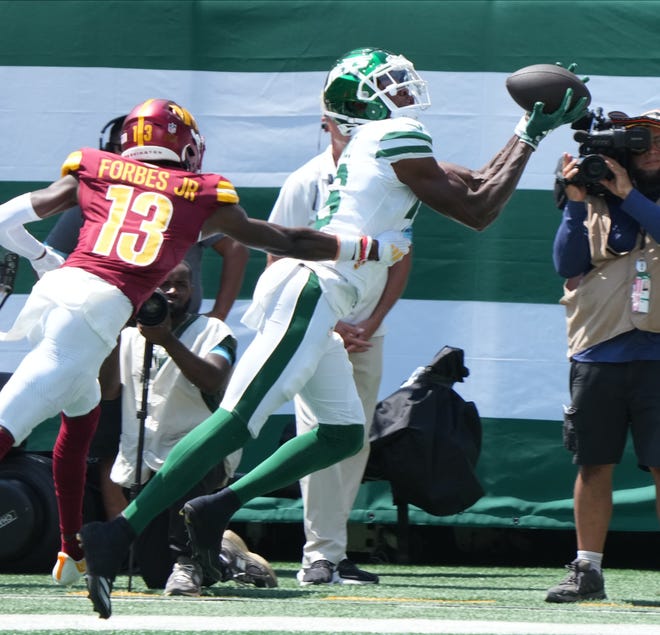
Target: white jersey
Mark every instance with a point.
(362, 195)
(175, 406)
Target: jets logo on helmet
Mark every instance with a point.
(372, 84)
(161, 130)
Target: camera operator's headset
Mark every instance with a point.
(649, 118)
(113, 127)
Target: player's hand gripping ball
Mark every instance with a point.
(547, 83)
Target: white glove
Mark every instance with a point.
(392, 246)
(49, 261)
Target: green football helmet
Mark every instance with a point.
(360, 87)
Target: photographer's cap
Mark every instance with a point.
(650, 118)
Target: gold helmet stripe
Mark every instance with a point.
(138, 130)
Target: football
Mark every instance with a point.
(546, 83)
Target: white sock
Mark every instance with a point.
(594, 558)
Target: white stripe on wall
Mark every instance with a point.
(261, 126)
(516, 353)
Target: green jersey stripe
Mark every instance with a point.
(405, 152)
(287, 346)
(407, 135)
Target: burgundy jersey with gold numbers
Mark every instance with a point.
(138, 219)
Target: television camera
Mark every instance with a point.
(600, 135)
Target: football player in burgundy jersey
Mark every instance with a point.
(141, 212)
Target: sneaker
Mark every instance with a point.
(582, 583)
(185, 579)
(350, 574)
(68, 571)
(319, 572)
(204, 551)
(244, 566)
(106, 545)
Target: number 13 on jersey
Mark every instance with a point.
(123, 232)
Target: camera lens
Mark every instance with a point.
(593, 169)
(154, 310)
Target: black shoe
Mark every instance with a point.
(105, 546)
(199, 518)
(582, 583)
(350, 574)
(99, 589)
(245, 566)
(319, 572)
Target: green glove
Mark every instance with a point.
(571, 69)
(533, 127)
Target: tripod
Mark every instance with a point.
(142, 417)
(8, 271)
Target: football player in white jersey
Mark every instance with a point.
(385, 171)
(328, 495)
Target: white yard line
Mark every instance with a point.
(163, 623)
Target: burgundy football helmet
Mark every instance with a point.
(161, 130)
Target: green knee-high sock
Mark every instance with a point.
(188, 462)
(298, 457)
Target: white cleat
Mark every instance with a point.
(68, 571)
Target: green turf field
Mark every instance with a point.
(409, 599)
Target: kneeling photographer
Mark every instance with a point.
(172, 369)
(607, 249)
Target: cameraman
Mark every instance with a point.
(606, 247)
(192, 361)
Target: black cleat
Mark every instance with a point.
(204, 551)
(99, 589)
(105, 546)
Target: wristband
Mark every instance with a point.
(364, 249)
(347, 248)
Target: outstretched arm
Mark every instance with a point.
(302, 242)
(472, 197)
(476, 197)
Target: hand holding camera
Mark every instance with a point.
(567, 173)
(153, 319)
(617, 181)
